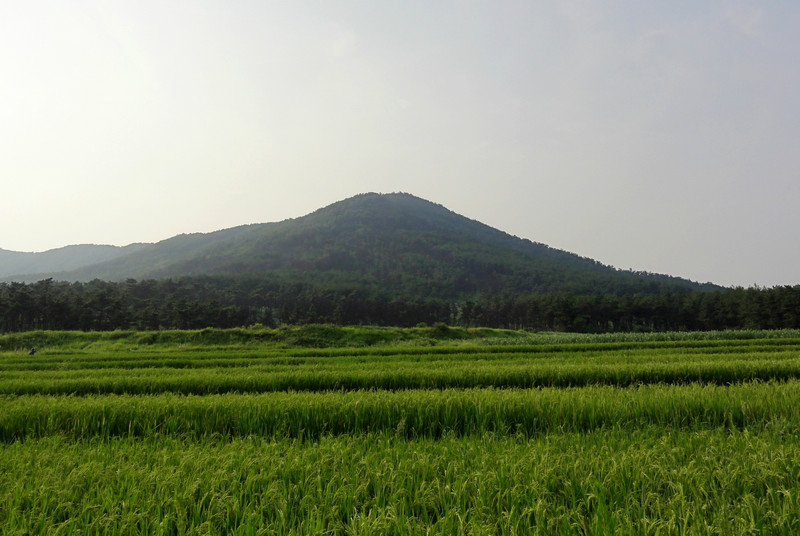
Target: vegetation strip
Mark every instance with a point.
(204, 370)
(415, 413)
(147, 381)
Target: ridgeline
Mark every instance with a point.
(385, 259)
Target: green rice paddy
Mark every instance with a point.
(381, 431)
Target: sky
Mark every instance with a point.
(655, 136)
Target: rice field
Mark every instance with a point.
(496, 433)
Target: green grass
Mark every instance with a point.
(324, 430)
(327, 336)
(311, 335)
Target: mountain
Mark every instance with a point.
(396, 242)
(61, 259)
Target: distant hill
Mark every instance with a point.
(397, 242)
(61, 259)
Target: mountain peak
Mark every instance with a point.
(394, 241)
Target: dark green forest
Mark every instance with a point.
(214, 301)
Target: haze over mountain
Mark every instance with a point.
(61, 259)
(396, 241)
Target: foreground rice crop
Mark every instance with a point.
(602, 482)
(682, 436)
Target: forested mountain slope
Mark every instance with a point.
(60, 259)
(399, 243)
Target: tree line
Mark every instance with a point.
(223, 302)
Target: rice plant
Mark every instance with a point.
(239, 432)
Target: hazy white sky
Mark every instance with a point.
(658, 136)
